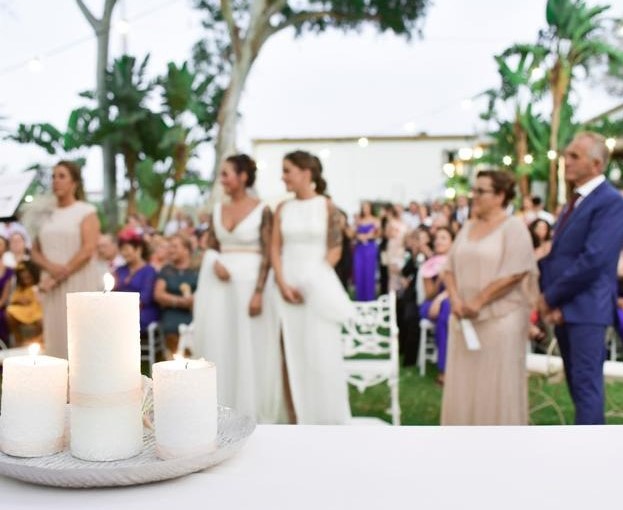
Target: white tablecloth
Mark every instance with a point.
(304, 467)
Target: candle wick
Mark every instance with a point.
(186, 365)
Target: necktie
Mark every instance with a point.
(565, 216)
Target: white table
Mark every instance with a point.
(288, 467)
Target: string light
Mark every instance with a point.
(363, 142)
(552, 155)
(611, 143)
(410, 127)
(123, 26)
(466, 153)
(449, 169)
(467, 103)
(507, 160)
(478, 152)
(35, 65)
(538, 73)
(528, 159)
(76, 42)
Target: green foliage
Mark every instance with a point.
(156, 144)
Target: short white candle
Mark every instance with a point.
(103, 334)
(185, 409)
(34, 398)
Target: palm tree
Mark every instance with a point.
(519, 88)
(576, 38)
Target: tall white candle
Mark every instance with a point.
(34, 398)
(185, 409)
(104, 345)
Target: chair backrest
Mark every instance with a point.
(187, 337)
(373, 331)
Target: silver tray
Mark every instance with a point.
(63, 470)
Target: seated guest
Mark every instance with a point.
(137, 276)
(159, 249)
(6, 279)
(175, 286)
(436, 307)
(18, 249)
(541, 232)
(25, 311)
(409, 318)
(108, 256)
(620, 296)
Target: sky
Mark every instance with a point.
(333, 84)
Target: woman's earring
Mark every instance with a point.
(313, 186)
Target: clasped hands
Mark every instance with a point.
(549, 315)
(466, 309)
(57, 273)
(255, 305)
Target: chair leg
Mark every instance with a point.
(421, 359)
(395, 398)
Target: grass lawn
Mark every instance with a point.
(420, 400)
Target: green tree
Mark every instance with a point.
(519, 88)
(237, 30)
(576, 38)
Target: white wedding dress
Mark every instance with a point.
(246, 350)
(312, 343)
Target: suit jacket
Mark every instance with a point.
(579, 274)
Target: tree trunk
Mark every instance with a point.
(521, 149)
(109, 168)
(130, 159)
(101, 27)
(227, 118)
(559, 84)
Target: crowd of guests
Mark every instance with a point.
(267, 290)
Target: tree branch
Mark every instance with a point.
(108, 8)
(302, 17)
(234, 31)
(93, 21)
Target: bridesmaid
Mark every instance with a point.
(235, 315)
(64, 250)
(366, 254)
(307, 241)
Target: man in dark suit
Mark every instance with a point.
(578, 277)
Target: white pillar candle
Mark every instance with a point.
(34, 398)
(104, 346)
(185, 409)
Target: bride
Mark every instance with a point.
(307, 240)
(235, 318)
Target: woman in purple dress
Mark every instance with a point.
(6, 276)
(366, 254)
(138, 276)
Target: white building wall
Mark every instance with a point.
(396, 169)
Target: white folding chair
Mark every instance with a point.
(428, 347)
(370, 347)
(187, 337)
(154, 345)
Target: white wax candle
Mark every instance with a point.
(34, 398)
(185, 409)
(104, 346)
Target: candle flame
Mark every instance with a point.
(34, 349)
(178, 357)
(109, 282)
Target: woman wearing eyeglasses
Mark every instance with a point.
(491, 278)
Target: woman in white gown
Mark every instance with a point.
(307, 241)
(235, 317)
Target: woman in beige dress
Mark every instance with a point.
(64, 250)
(491, 280)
